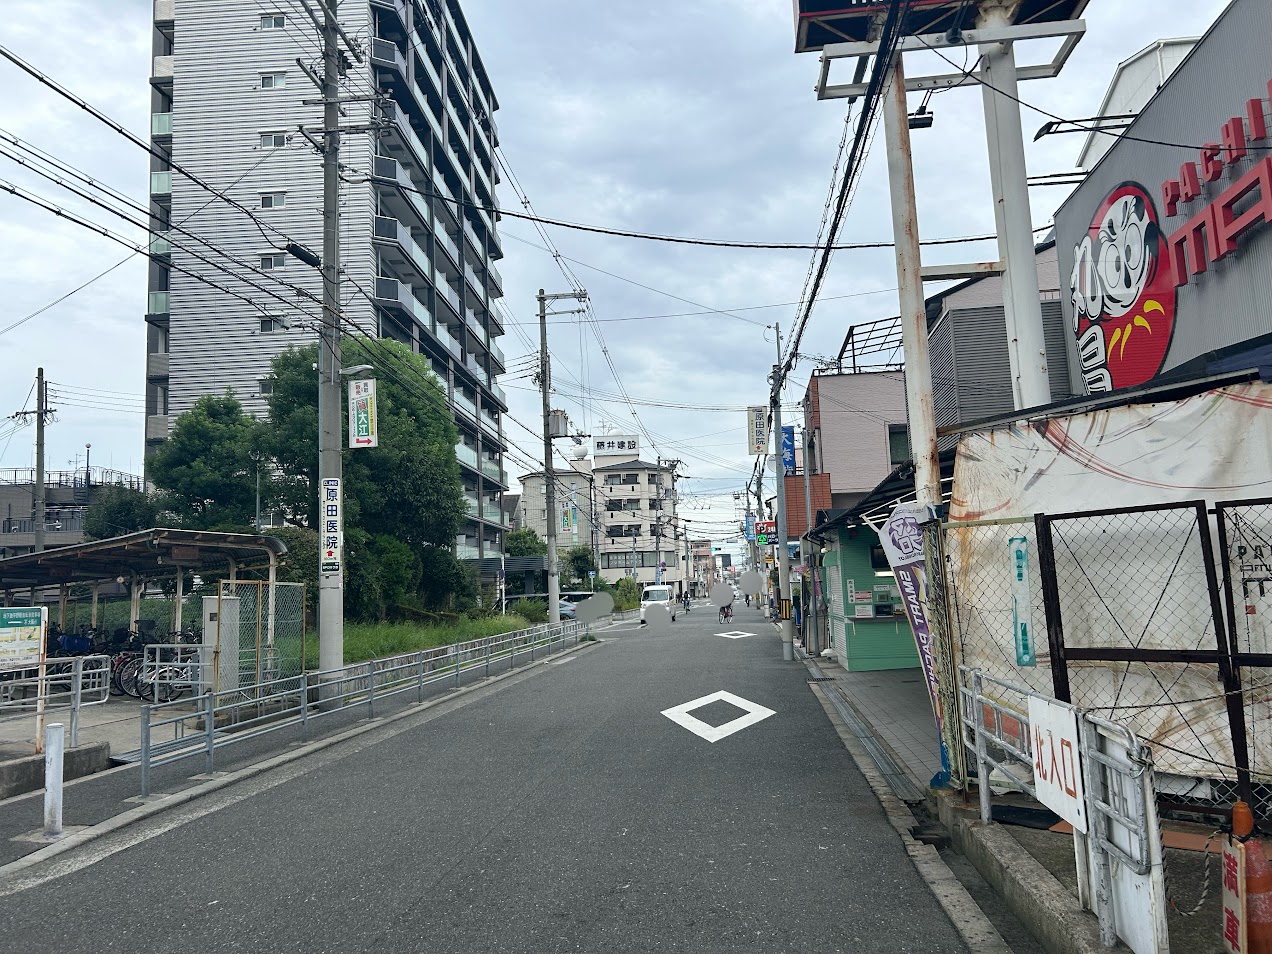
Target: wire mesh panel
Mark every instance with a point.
(1245, 531)
(258, 634)
(1136, 631)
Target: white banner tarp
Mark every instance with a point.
(1131, 582)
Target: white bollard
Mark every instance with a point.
(54, 745)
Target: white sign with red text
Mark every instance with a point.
(1057, 760)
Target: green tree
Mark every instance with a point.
(524, 542)
(207, 469)
(577, 562)
(409, 486)
(119, 510)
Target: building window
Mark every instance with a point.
(277, 260)
(273, 140)
(273, 80)
(273, 22)
(273, 200)
(271, 325)
(264, 386)
(898, 444)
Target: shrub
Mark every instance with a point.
(532, 611)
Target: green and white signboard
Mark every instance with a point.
(22, 636)
(362, 423)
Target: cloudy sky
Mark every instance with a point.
(687, 118)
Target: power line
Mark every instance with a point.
(141, 143)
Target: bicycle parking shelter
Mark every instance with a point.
(135, 560)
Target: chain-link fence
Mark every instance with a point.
(254, 634)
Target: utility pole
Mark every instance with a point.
(549, 474)
(41, 409)
(330, 491)
(811, 633)
(914, 331)
(783, 554)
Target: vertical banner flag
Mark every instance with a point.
(788, 449)
(902, 539)
(750, 527)
(331, 517)
(362, 424)
(1021, 606)
(757, 433)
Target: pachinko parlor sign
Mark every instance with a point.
(1130, 264)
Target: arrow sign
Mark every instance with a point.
(362, 420)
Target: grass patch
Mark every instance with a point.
(364, 641)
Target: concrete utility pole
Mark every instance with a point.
(41, 409)
(806, 548)
(1026, 346)
(783, 554)
(549, 474)
(914, 331)
(330, 490)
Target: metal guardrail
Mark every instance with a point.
(67, 683)
(180, 729)
(1117, 770)
(171, 670)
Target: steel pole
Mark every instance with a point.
(549, 476)
(1026, 346)
(914, 332)
(330, 585)
(783, 554)
(41, 406)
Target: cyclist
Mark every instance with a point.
(685, 599)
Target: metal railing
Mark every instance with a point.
(180, 729)
(1122, 837)
(69, 684)
(171, 670)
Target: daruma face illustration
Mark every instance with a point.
(1123, 292)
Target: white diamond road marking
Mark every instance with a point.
(736, 634)
(754, 713)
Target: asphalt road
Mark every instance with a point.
(563, 812)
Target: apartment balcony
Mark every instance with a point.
(466, 455)
(477, 286)
(157, 365)
(160, 244)
(466, 403)
(493, 317)
(387, 56)
(158, 303)
(461, 127)
(474, 506)
(494, 281)
(160, 125)
(492, 470)
(156, 427)
(491, 425)
(465, 551)
(473, 367)
(400, 197)
(445, 203)
(164, 11)
(479, 163)
(407, 139)
(448, 340)
(161, 183)
(429, 68)
(412, 259)
(451, 297)
(471, 234)
(492, 513)
(161, 70)
(391, 293)
(474, 325)
(497, 354)
(500, 393)
(451, 262)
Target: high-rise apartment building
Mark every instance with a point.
(233, 104)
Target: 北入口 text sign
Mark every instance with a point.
(1057, 760)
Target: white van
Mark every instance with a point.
(658, 595)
